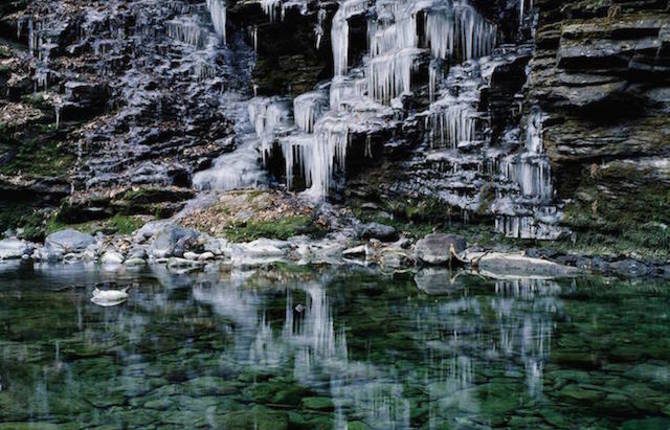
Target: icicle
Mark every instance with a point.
(340, 40)
(521, 11)
(31, 37)
(318, 28)
(307, 108)
(19, 28)
(254, 38)
(329, 148)
(186, 31)
(453, 125)
(217, 10)
(460, 31)
(389, 74)
(534, 132)
(57, 108)
(270, 8)
(435, 74)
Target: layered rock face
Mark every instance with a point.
(601, 71)
(539, 117)
(110, 95)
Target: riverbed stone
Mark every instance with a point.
(437, 248)
(256, 419)
(318, 403)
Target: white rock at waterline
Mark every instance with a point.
(207, 255)
(517, 264)
(14, 248)
(190, 255)
(111, 257)
(135, 261)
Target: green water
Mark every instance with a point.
(229, 350)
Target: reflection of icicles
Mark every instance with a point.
(534, 372)
(217, 10)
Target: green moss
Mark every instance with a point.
(125, 224)
(39, 158)
(5, 71)
(154, 195)
(486, 198)
(122, 224)
(417, 218)
(37, 101)
(621, 209)
(281, 229)
(19, 215)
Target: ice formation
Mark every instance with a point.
(217, 11)
(456, 47)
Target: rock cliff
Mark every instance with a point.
(546, 119)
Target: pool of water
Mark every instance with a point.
(335, 348)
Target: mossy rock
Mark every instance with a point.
(318, 403)
(255, 419)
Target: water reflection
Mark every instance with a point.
(338, 349)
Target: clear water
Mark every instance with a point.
(331, 349)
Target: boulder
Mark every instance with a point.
(382, 232)
(173, 241)
(67, 241)
(393, 258)
(14, 248)
(438, 248)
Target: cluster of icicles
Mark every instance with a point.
(365, 99)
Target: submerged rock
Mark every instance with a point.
(438, 248)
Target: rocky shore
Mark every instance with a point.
(253, 228)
